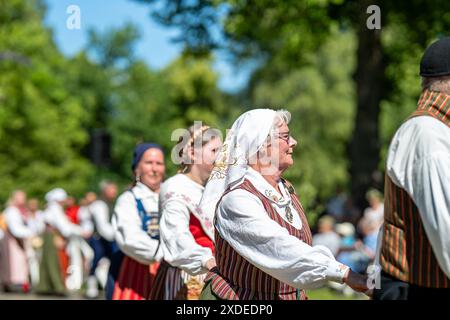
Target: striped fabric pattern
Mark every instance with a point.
(406, 252)
(170, 281)
(167, 284)
(235, 278)
(434, 104)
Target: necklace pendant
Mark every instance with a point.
(289, 215)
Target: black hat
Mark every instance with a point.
(436, 59)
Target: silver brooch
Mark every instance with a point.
(289, 215)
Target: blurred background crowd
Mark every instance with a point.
(77, 260)
(58, 247)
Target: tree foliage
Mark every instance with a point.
(50, 105)
(289, 32)
(320, 99)
(41, 119)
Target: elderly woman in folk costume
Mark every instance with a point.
(186, 232)
(135, 222)
(262, 238)
(16, 244)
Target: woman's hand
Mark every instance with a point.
(211, 263)
(59, 242)
(86, 234)
(356, 281)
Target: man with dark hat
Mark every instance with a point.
(415, 241)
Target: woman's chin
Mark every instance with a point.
(287, 163)
(152, 184)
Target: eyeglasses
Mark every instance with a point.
(286, 137)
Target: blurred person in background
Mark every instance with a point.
(79, 251)
(368, 245)
(347, 232)
(59, 229)
(355, 252)
(2, 227)
(326, 236)
(14, 270)
(375, 212)
(71, 209)
(34, 249)
(335, 206)
(102, 240)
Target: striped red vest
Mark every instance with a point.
(237, 279)
(406, 253)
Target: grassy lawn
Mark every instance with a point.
(329, 294)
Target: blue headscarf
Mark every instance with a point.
(140, 150)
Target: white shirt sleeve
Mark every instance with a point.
(84, 217)
(419, 162)
(100, 216)
(38, 223)
(432, 197)
(180, 248)
(243, 222)
(56, 217)
(131, 239)
(16, 225)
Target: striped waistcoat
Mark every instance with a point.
(237, 279)
(406, 253)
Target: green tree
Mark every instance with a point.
(150, 105)
(320, 98)
(289, 30)
(142, 113)
(108, 78)
(41, 120)
(194, 90)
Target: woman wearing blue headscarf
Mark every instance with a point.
(136, 226)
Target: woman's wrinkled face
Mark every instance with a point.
(281, 149)
(151, 168)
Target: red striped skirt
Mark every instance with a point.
(135, 280)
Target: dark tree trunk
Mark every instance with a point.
(364, 148)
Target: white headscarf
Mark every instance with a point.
(247, 135)
(56, 195)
